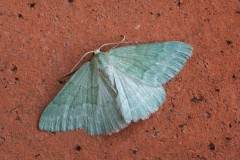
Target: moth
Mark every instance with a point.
(115, 88)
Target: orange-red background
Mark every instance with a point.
(42, 40)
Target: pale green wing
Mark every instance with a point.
(137, 99)
(87, 102)
(151, 63)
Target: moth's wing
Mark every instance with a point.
(138, 99)
(87, 102)
(151, 63)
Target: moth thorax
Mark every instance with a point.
(102, 60)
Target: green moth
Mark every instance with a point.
(115, 88)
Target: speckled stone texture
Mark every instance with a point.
(42, 40)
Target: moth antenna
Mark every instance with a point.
(73, 69)
(106, 44)
(117, 43)
(122, 41)
(81, 60)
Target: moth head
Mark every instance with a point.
(96, 51)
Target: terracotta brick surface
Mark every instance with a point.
(42, 40)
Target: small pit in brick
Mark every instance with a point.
(70, 1)
(228, 138)
(181, 125)
(53, 133)
(31, 5)
(2, 140)
(78, 148)
(217, 90)
(229, 42)
(197, 99)
(37, 155)
(20, 16)
(17, 118)
(134, 151)
(212, 146)
(208, 115)
(151, 13)
(201, 157)
(155, 132)
(234, 76)
(230, 125)
(14, 68)
(179, 3)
